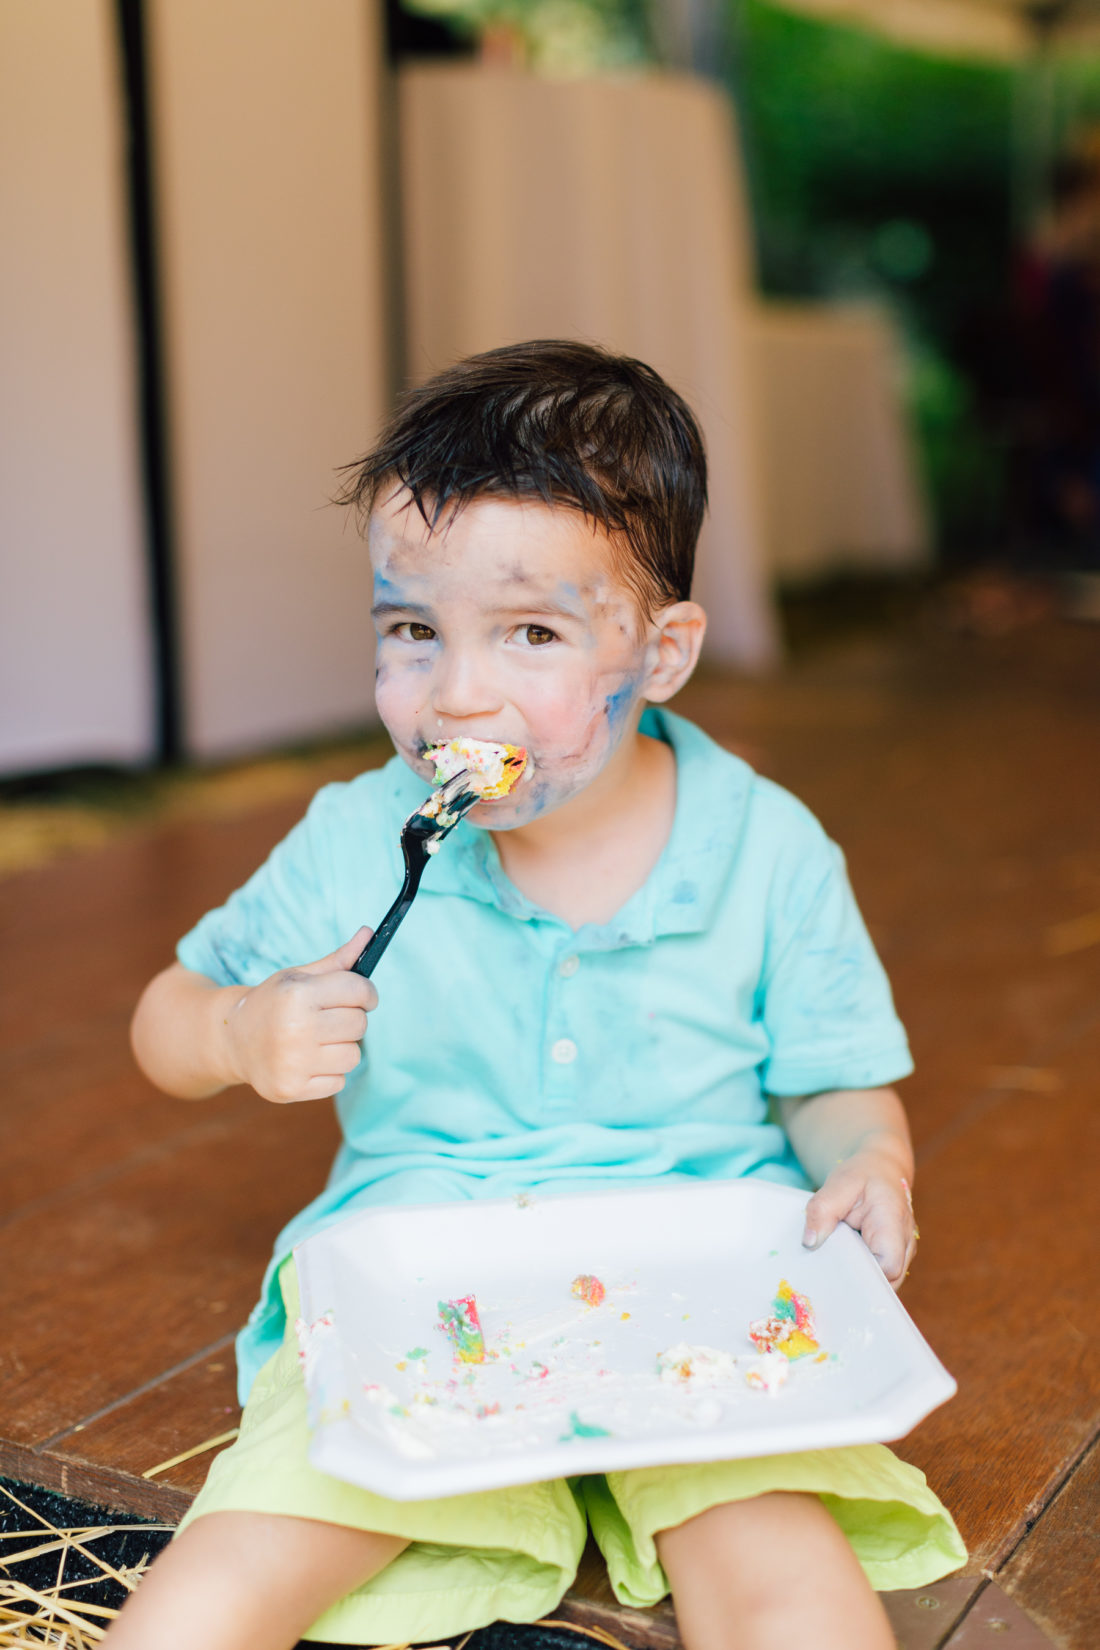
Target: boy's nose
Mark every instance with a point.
(463, 686)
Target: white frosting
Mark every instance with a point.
(310, 1335)
(703, 1365)
(699, 1366)
(768, 1372)
(484, 760)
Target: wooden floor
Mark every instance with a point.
(962, 776)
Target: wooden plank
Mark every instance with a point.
(98, 1486)
(88, 1119)
(83, 936)
(972, 1024)
(653, 1629)
(995, 1619)
(922, 1617)
(590, 1603)
(1054, 1574)
(141, 1272)
(104, 1460)
(177, 1415)
(1003, 1295)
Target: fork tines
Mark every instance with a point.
(448, 802)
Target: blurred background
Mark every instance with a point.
(862, 236)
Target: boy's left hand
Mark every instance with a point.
(869, 1194)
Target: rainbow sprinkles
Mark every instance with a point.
(459, 1320)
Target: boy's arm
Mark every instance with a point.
(854, 1144)
(293, 1037)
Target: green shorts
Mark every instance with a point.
(510, 1554)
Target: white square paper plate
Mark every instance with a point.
(393, 1410)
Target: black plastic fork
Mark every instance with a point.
(449, 804)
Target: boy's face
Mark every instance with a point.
(507, 623)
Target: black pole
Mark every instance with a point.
(160, 548)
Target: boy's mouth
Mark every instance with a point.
(492, 767)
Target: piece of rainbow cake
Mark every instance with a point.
(459, 1320)
(493, 768)
(790, 1329)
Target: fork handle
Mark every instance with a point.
(367, 960)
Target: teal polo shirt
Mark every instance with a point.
(509, 1052)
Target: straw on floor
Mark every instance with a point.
(37, 1615)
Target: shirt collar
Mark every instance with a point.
(679, 895)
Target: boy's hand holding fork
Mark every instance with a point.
(293, 1037)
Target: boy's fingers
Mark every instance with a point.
(343, 958)
(316, 1088)
(885, 1242)
(343, 1025)
(338, 1059)
(823, 1212)
(910, 1257)
(322, 1088)
(891, 1257)
(326, 1084)
(904, 1254)
(332, 983)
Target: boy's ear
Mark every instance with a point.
(679, 631)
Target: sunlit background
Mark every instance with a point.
(234, 230)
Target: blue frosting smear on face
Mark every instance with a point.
(385, 589)
(540, 796)
(617, 705)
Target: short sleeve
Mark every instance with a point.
(281, 917)
(826, 1003)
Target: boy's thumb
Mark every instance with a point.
(343, 958)
(822, 1216)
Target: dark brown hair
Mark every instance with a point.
(565, 423)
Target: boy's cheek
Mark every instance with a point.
(563, 709)
(398, 705)
(400, 679)
(574, 729)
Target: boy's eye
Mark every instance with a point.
(415, 632)
(538, 635)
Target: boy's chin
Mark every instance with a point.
(502, 814)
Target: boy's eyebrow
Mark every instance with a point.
(540, 604)
(382, 610)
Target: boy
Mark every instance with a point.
(605, 975)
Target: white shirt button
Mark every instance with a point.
(564, 1051)
(568, 967)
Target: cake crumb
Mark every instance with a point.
(589, 1289)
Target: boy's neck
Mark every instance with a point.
(583, 861)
